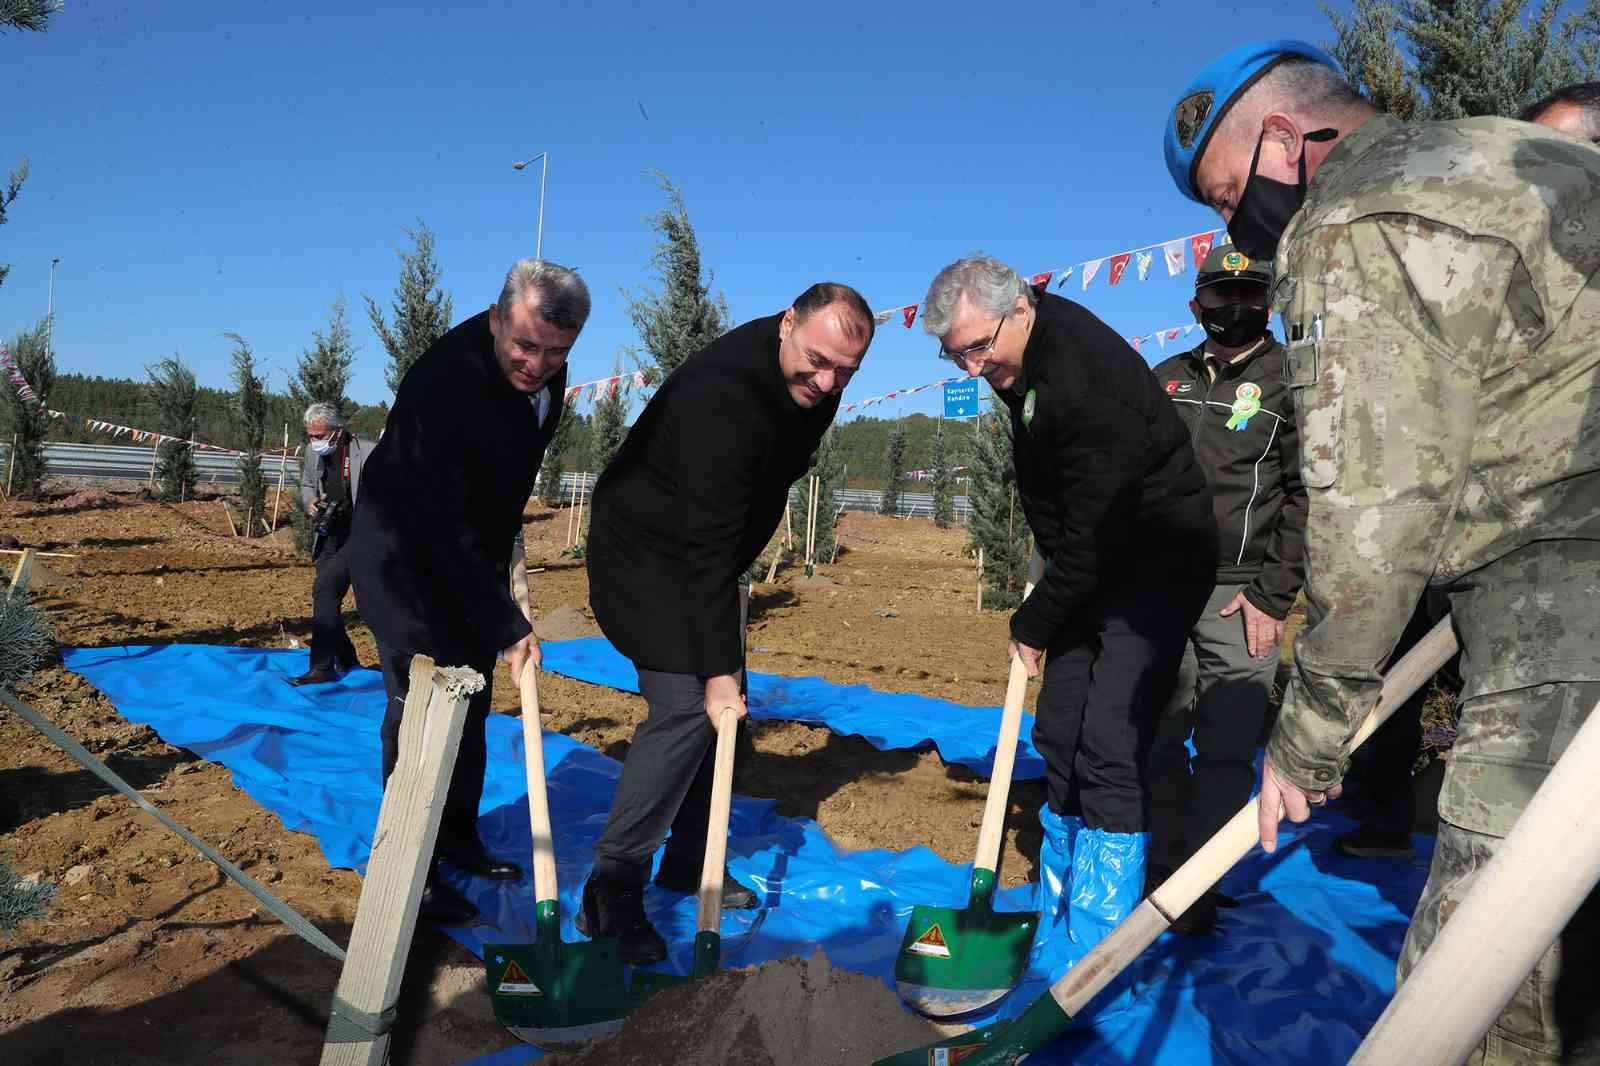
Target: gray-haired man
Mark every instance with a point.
(330, 475)
(440, 508)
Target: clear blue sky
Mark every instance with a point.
(211, 167)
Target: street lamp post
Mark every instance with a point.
(50, 313)
(544, 173)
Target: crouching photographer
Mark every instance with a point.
(330, 477)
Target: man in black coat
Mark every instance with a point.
(680, 514)
(1122, 516)
(441, 502)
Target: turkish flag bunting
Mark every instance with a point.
(1041, 281)
(910, 313)
(1200, 247)
(1119, 265)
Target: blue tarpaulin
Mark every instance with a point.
(1305, 966)
(889, 721)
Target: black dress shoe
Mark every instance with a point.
(1198, 919)
(614, 910)
(443, 904)
(318, 676)
(735, 897)
(1369, 843)
(482, 864)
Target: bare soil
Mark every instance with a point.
(149, 956)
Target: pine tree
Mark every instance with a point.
(1425, 60)
(27, 14)
(27, 419)
(25, 640)
(610, 422)
(173, 389)
(562, 442)
(422, 309)
(828, 466)
(944, 509)
(683, 317)
(894, 470)
(8, 195)
(251, 411)
(323, 372)
(998, 526)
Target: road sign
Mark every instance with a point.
(961, 398)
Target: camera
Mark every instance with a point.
(328, 518)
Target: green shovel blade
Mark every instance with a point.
(1001, 1044)
(553, 992)
(956, 961)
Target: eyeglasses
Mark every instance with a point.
(960, 357)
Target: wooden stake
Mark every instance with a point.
(12, 465)
(788, 530)
(154, 454)
(583, 490)
(19, 579)
(980, 578)
(402, 851)
(1516, 908)
(233, 529)
(834, 555)
(572, 506)
(37, 555)
(283, 464)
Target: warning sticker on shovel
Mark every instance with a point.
(950, 1056)
(931, 943)
(516, 983)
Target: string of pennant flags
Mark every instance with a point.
(1176, 255)
(97, 425)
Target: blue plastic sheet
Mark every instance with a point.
(1305, 968)
(889, 721)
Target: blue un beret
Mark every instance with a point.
(1211, 92)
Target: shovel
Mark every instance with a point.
(708, 922)
(548, 991)
(1005, 1043)
(956, 961)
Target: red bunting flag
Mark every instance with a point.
(1042, 281)
(910, 313)
(1137, 342)
(1200, 247)
(1119, 265)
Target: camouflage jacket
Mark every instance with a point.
(1441, 307)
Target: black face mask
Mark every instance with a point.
(1234, 325)
(1266, 206)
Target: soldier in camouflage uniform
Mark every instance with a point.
(1440, 296)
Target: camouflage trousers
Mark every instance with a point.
(1507, 742)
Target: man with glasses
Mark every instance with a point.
(1119, 509)
(680, 514)
(441, 504)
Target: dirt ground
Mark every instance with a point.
(149, 956)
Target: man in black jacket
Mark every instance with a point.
(1231, 394)
(680, 514)
(1121, 514)
(441, 502)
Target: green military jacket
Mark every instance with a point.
(1441, 308)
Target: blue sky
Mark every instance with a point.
(202, 168)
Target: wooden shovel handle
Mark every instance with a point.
(1005, 755)
(711, 871)
(545, 887)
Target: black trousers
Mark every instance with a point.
(458, 826)
(1106, 680)
(330, 644)
(665, 783)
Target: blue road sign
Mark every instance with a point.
(961, 398)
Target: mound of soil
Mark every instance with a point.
(797, 1011)
(85, 500)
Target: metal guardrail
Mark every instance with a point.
(131, 462)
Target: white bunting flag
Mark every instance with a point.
(1176, 261)
(1090, 269)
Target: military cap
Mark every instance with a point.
(1227, 263)
(1209, 94)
